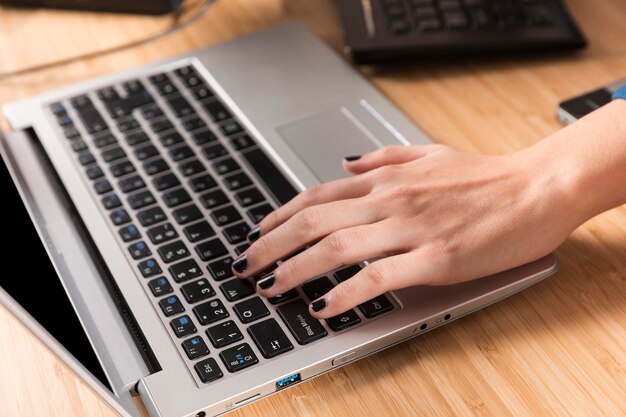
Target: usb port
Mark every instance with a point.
(290, 380)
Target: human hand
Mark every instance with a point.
(427, 215)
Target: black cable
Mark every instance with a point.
(179, 23)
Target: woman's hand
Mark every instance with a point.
(427, 215)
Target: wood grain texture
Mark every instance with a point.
(557, 349)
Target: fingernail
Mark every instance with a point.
(266, 282)
(318, 305)
(352, 158)
(254, 234)
(240, 264)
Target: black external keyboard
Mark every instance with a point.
(181, 182)
(380, 30)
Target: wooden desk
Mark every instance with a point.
(556, 349)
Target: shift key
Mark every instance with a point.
(300, 323)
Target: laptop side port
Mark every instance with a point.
(287, 381)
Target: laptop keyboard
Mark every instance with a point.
(182, 183)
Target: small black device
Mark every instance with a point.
(574, 108)
(119, 6)
(376, 31)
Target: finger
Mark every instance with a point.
(375, 279)
(388, 155)
(343, 247)
(306, 226)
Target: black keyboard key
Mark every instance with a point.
(193, 123)
(376, 306)
(151, 216)
(258, 213)
(270, 338)
(242, 142)
(203, 137)
(225, 166)
(124, 106)
(237, 233)
(213, 199)
(171, 305)
(238, 357)
(141, 199)
(251, 310)
(346, 273)
(289, 295)
(171, 139)
(113, 154)
(58, 109)
(231, 127)
(224, 334)
(217, 112)
(64, 120)
(180, 106)
(211, 249)
(104, 140)
(187, 214)
(111, 201)
(162, 233)
(208, 370)
(150, 112)
(249, 197)
(221, 269)
(160, 125)
(300, 323)
(174, 251)
(189, 76)
(185, 270)
(94, 171)
(122, 168)
(316, 288)
(102, 186)
(202, 183)
(81, 102)
(195, 348)
(120, 217)
(146, 152)
(165, 181)
(149, 268)
(214, 151)
(128, 124)
(210, 312)
(343, 321)
(198, 231)
(155, 166)
(242, 248)
(129, 233)
(176, 197)
(225, 215)
(237, 181)
(165, 87)
(276, 182)
(92, 119)
(183, 326)
(133, 86)
(192, 167)
(160, 286)
(181, 152)
(202, 93)
(136, 138)
(78, 145)
(71, 132)
(139, 250)
(86, 158)
(131, 184)
(236, 289)
(197, 291)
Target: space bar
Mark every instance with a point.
(267, 172)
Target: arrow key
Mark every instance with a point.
(343, 321)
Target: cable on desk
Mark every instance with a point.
(179, 22)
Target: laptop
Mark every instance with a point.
(141, 187)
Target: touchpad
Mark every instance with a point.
(323, 140)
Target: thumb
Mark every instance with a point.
(388, 155)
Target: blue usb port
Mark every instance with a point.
(285, 382)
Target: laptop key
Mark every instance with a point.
(217, 112)
(221, 269)
(181, 152)
(225, 215)
(171, 305)
(198, 231)
(197, 291)
(376, 306)
(281, 298)
(136, 138)
(213, 199)
(242, 248)
(300, 323)
(176, 197)
(113, 154)
(78, 145)
(127, 124)
(160, 125)
(192, 167)
(171, 139)
(102, 186)
(345, 274)
(249, 197)
(202, 183)
(155, 166)
(129, 233)
(343, 321)
(208, 370)
(86, 158)
(193, 123)
(104, 140)
(210, 312)
(203, 137)
(141, 199)
(120, 217)
(266, 170)
(149, 268)
(251, 310)
(195, 348)
(183, 326)
(139, 250)
(238, 357)
(237, 181)
(146, 152)
(160, 286)
(71, 132)
(151, 216)
(151, 112)
(111, 201)
(270, 338)
(180, 106)
(202, 93)
(211, 249)
(173, 251)
(122, 168)
(242, 142)
(165, 181)
(258, 213)
(214, 151)
(92, 119)
(187, 214)
(316, 288)
(131, 184)
(231, 127)
(185, 270)
(225, 166)
(81, 102)
(236, 289)
(94, 171)
(224, 334)
(237, 233)
(161, 234)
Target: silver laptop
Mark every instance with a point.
(142, 186)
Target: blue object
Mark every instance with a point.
(621, 93)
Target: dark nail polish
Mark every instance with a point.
(318, 305)
(266, 282)
(352, 158)
(240, 264)
(254, 234)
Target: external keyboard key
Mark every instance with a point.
(111, 201)
(225, 166)
(192, 167)
(160, 286)
(237, 181)
(129, 233)
(226, 215)
(231, 127)
(376, 306)
(141, 199)
(183, 326)
(316, 288)
(165, 181)
(155, 166)
(181, 152)
(94, 171)
(173, 251)
(104, 140)
(120, 217)
(203, 137)
(221, 269)
(211, 249)
(195, 348)
(113, 154)
(210, 312)
(236, 289)
(300, 323)
(281, 298)
(171, 305)
(251, 310)
(345, 274)
(136, 138)
(213, 199)
(237, 233)
(249, 197)
(151, 216)
(185, 270)
(146, 152)
(161, 234)
(224, 334)
(208, 370)
(187, 214)
(171, 139)
(176, 197)
(217, 111)
(122, 168)
(139, 250)
(343, 321)
(238, 357)
(198, 231)
(270, 338)
(242, 142)
(131, 184)
(258, 213)
(197, 291)
(149, 268)
(202, 183)
(214, 151)
(102, 186)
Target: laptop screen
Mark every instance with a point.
(38, 289)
